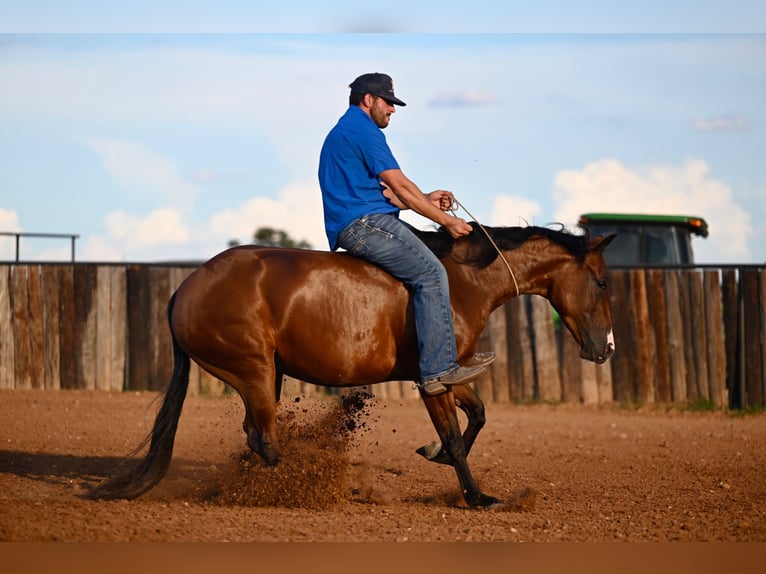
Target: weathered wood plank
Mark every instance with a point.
(604, 382)
(762, 306)
(521, 369)
(589, 389)
(730, 289)
(161, 357)
(546, 350)
(86, 301)
(572, 366)
(7, 339)
(21, 332)
(685, 301)
(139, 307)
(498, 337)
(119, 327)
(754, 391)
(51, 326)
(36, 327)
(483, 385)
(644, 350)
(655, 280)
(716, 351)
(622, 366)
(699, 333)
(103, 306)
(68, 347)
(676, 341)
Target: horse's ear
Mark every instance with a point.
(601, 242)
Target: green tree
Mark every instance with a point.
(274, 238)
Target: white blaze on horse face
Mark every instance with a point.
(610, 340)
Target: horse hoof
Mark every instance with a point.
(495, 504)
(485, 502)
(435, 453)
(430, 451)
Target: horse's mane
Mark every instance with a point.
(481, 253)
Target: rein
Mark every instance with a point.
(453, 207)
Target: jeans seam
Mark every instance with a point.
(429, 293)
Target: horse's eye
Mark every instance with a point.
(601, 283)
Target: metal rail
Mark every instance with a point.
(19, 234)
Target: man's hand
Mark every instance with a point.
(441, 199)
(457, 227)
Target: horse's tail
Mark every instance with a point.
(154, 466)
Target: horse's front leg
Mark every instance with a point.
(470, 403)
(441, 409)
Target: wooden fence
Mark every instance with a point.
(682, 335)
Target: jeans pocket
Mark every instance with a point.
(350, 240)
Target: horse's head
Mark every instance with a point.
(580, 294)
(572, 276)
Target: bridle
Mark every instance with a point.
(453, 207)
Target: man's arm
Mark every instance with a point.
(403, 193)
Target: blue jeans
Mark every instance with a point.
(385, 240)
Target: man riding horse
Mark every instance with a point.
(363, 190)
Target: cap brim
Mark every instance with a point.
(395, 101)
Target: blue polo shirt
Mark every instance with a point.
(354, 153)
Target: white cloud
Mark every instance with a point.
(721, 124)
(138, 168)
(131, 237)
(160, 226)
(9, 220)
(297, 209)
(98, 248)
(514, 210)
(147, 174)
(469, 98)
(687, 189)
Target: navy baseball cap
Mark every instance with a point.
(380, 85)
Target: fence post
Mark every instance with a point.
(754, 392)
(698, 337)
(658, 317)
(546, 350)
(7, 340)
(715, 339)
(622, 374)
(675, 326)
(731, 334)
(644, 368)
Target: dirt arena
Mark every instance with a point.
(567, 473)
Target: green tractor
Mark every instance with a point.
(646, 240)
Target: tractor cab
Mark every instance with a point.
(646, 240)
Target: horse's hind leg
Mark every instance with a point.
(441, 408)
(470, 403)
(259, 396)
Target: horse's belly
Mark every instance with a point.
(333, 360)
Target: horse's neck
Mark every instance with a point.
(526, 270)
(478, 292)
(533, 265)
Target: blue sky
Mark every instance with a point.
(162, 133)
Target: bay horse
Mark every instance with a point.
(252, 314)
